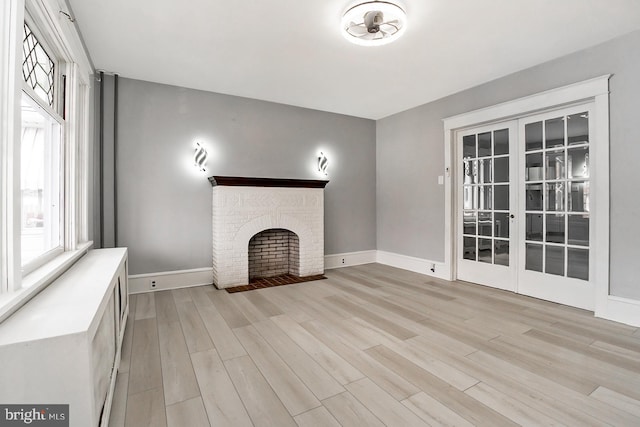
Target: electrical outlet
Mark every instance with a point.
(153, 284)
(343, 260)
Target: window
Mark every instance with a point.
(44, 149)
(40, 183)
(41, 155)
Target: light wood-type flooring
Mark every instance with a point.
(372, 346)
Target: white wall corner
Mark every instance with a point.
(141, 283)
(349, 259)
(417, 265)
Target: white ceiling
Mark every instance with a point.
(292, 52)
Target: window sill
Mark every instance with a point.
(39, 279)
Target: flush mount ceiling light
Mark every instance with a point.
(374, 23)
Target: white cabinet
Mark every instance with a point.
(63, 346)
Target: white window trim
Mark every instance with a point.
(596, 90)
(60, 34)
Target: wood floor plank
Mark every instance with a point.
(221, 400)
(263, 405)
(145, 372)
(266, 307)
(316, 417)
(383, 405)
(350, 412)
(165, 306)
(145, 306)
(321, 384)
(146, 409)
(617, 400)
(200, 295)
(287, 304)
(187, 413)
(293, 393)
(221, 335)
(508, 407)
(195, 333)
(388, 380)
(375, 319)
(178, 378)
(433, 412)
(222, 301)
(181, 295)
(467, 407)
(435, 366)
(248, 310)
(333, 363)
(570, 401)
(510, 380)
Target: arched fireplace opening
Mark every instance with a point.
(274, 252)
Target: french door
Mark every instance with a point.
(523, 206)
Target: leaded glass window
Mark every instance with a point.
(38, 69)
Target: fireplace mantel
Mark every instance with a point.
(243, 181)
(244, 207)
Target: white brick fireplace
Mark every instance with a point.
(243, 207)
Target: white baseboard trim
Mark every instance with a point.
(141, 283)
(623, 310)
(348, 259)
(417, 265)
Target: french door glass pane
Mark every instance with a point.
(554, 132)
(555, 197)
(533, 193)
(469, 146)
(533, 136)
(484, 144)
(533, 257)
(578, 230)
(578, 263)
(554, 165)
(501, 197)
(534, 227)
(533, 171)
(555, 228)
(485, 223)
(501, 169)
(554, 260)
(484, 171)
(469, 222)
(501, 224)
(578, 129)
(501, 142)
(578, 162)
(485, 251)
(469, 248)
(578, 196)
(501, 252)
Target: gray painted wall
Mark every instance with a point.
(410, 156)
(164, 205)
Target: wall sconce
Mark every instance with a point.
(200, 157)
(323, 163)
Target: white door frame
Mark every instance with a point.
(595, 90)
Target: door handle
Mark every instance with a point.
(512, 216)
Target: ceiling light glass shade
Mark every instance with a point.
(374, 23)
